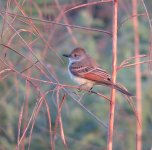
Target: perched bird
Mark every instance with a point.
(85, 71)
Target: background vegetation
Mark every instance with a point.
(31, 53)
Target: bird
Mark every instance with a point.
(87, 73)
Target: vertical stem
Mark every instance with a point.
(114, 64)
(138, 78)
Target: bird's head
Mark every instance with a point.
(76, 55)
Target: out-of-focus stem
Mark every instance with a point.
(138, 78)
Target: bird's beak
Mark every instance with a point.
(66, 55)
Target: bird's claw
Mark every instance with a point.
(90, 91)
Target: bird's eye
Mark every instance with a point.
(75, 55)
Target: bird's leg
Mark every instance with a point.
(90, 91)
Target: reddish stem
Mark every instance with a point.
(138, 78)
(114, 64)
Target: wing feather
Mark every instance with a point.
(90, 73)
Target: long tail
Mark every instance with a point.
(118, 87)
(122, 90)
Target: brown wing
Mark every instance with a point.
(94, 74)
(98, 75)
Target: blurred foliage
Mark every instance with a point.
(82, 131)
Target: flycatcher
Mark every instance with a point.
(85, 70)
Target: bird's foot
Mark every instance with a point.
(90, 91)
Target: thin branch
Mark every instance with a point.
(114, 73)
(129, 18)
(133, 64)
(59, 119)
(138, 78)
(32, 52)
(75, 41)
(125, 62)
(88, 111)
(60, 24)
(87, 4)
